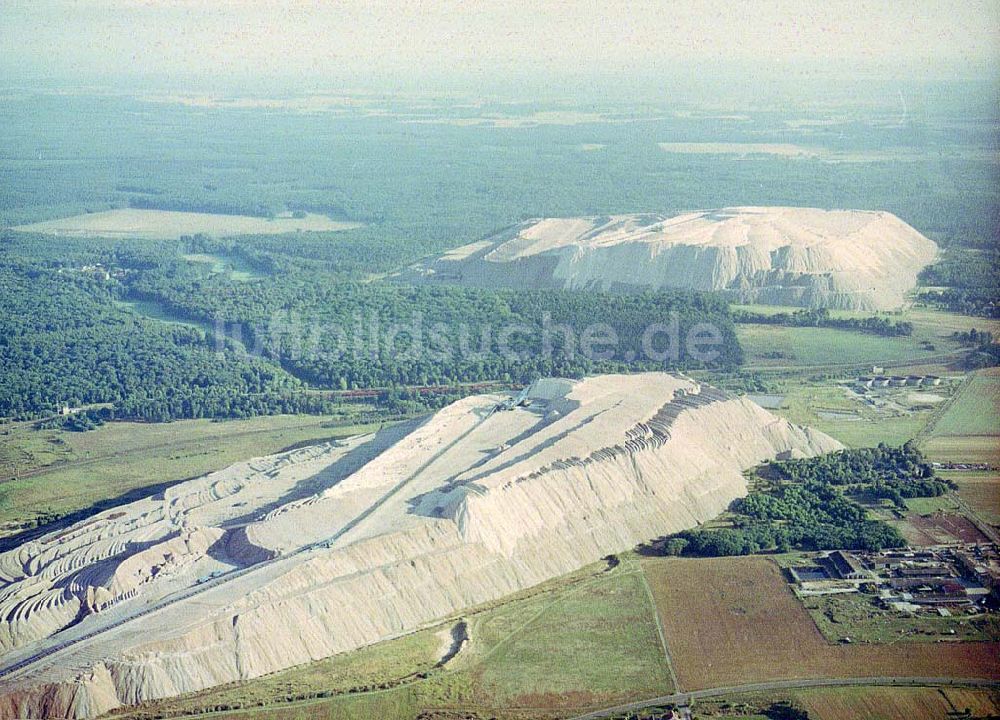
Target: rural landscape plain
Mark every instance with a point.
(475, 361)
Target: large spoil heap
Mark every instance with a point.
(847, 259)
(290, 558)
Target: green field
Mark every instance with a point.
(976, 411)
(891, 431)
(156, 311)
(46, 474)
(928, 505)
(778, 346)
(582, 641)
(563, 653)
(969, 429)
(930, 324)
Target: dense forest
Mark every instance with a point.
(807, 505)
(231, 348)
(344, 334)
(65, 342)
(966, 280)
(436, 184)
(216, 345)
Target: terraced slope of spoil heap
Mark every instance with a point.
(847, 259)
(485, 498)
(147, 547)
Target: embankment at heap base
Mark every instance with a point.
(467, 507)
(842, 259)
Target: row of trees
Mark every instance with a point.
(159, 201)
(820, 317)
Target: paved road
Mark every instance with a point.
(686, 698)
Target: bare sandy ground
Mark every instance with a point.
(168, 224)
(792, 151)
(784, 149)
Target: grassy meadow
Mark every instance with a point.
(778, 346)
(775, 346)
(969, 429)
(830, 406)
(46, 474)
(542, 653)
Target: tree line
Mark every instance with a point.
(820, 317)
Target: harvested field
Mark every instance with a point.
(718, 148)
(913, 535)
(168, 224)
(980, 491)
(895, 703)
(731, 621)
(941, 528)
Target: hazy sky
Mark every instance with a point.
(359, 38)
